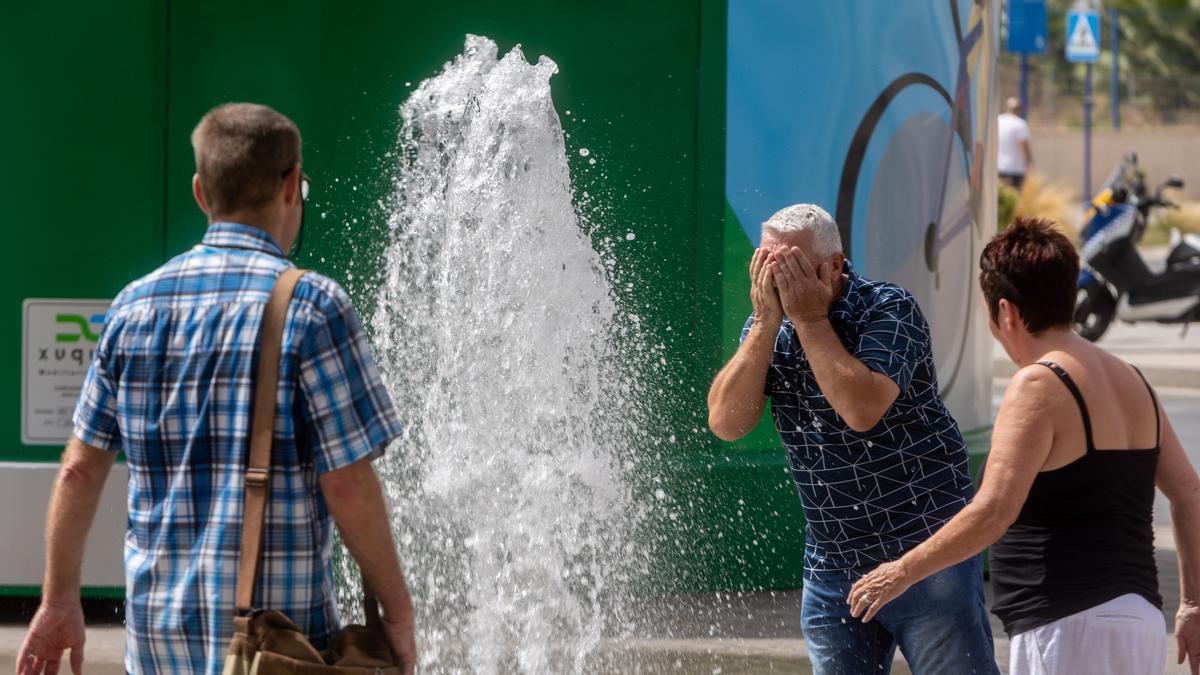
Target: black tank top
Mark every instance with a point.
(1084, 536)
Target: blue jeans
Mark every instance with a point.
(940, 625)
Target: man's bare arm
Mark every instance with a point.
(72, 509)
(736, 398)
(58, 624)
(357, 504)
(860, 395)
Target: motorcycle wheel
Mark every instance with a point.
(1095, 308)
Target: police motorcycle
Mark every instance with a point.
(1114, 281)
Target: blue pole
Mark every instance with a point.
(1024, 85)
(1087, 134)
(1115, 97)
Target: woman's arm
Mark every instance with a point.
(1021, 442)
(1177, 479)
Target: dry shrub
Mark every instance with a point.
(1006, 205)
(1044, 198)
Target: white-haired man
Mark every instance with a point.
(878, 461)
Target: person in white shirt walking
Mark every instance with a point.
(1013, 153)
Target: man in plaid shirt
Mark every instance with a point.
(172, 386)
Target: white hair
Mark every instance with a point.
(827, 240)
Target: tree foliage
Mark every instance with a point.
(1158, 53)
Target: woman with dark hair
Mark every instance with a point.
(1068, 490)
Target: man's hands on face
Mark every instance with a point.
(768, 309)
(806, 292)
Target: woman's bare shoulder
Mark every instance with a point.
(1034, 377)
(1034, 394)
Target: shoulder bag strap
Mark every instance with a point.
(258, 467)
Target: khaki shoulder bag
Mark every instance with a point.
(265, 642)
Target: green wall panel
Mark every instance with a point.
(81, 179)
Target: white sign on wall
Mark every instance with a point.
(59, 341)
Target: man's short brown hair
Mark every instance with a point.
(243, 151)
(1036, 268)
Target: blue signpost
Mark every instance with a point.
(1083, 46)
(1115, 97)
(1026, 35)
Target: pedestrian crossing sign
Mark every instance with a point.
(1083, 36)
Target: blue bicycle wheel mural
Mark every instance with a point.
(884, 114)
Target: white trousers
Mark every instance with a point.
(1124, 636)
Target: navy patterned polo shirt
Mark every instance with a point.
(871, 496)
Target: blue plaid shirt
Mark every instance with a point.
(868, 496)
(172, 385)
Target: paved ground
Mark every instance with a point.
(758, 633)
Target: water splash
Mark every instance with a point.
(502, 346)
